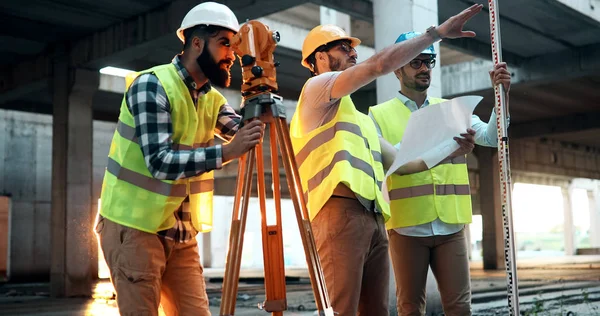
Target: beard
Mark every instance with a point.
(212, 70)
(412, 82)
(334, 63)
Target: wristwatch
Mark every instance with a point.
(432, 30)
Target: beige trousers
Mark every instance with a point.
(147, 270)
(353, 248)
(448, 257)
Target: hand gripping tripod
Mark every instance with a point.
(255, 44)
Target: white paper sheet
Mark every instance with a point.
(430, 131)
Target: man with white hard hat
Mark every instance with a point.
(158, 185)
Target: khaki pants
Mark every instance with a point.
(353, 249)
(147, 270)
(448, 257)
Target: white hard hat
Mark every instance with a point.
(209, 13)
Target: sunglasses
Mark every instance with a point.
(343, 46)
(417, 63)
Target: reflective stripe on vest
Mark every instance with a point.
(202, 186)
(441, 192)
(131, 196)
(152, 184)
(344, 150)
(356, 163)
(328, 135)
(427, 189)
(146, 183)
(128, 132)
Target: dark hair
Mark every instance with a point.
(200, 31)
(312, 58)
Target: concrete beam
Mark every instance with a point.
(126, 40)
(590, 9)
(358, 9)
(293, 37)
(479, 49)
(559, 125)
(24, 78)
(562, 65)
(548, 157)
(472, 76)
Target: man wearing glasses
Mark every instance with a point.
(429, 209)
(341, 159)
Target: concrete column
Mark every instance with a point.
(331, 16)
(5, 210)
(206, 250)
(569, 228)
(74, 263)
(594, 202)
(391, 18)
(491, 208)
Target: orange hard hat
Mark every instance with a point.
(321, 35)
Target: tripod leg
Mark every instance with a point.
(272, 248)
(312, 257)
(236, 235)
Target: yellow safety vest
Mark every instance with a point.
(345, 150)
(442, 191)
(130, 195)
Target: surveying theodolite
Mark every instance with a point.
(255, 44)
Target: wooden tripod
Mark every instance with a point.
(268, 107)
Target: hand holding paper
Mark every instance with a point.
(430, 132)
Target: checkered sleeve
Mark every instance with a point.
(148, 103)
(228, 122)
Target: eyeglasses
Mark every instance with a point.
(416, 63)
(345, 47)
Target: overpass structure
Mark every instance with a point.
(53, 157)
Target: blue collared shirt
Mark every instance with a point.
(485, 135)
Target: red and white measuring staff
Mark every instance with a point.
(504, 162)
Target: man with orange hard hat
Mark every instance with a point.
(341, 161)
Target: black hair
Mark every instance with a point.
(201, 31)
(312, 58)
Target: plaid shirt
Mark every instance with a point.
(147, 101)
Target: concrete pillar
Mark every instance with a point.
(331, 16)
(74, 263)
(206, 250)
(5, 210)
(594, 203)
(569, 228)
(404, 16)
(491, 208)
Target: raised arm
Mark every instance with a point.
(398, 55)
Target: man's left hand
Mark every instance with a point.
(466, 143)
(500, 74)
